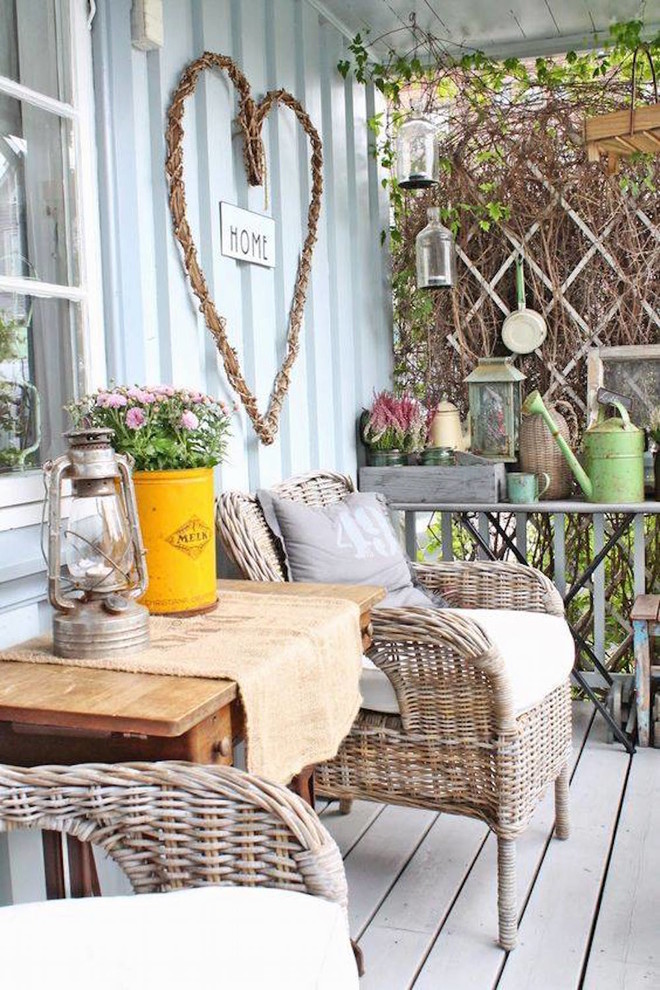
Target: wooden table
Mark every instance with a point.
(64, 715)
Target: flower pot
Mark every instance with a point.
(176, 512)
(386, 458)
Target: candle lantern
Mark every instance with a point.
(96, 566)
(417, 154)
(435, 254)
(494, 391)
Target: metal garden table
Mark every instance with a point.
(488, 522)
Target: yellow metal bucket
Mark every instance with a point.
(176, 518)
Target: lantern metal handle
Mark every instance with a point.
(131, 506)
(55, 471)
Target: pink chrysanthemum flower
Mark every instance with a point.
(189, 420)
(135, 418)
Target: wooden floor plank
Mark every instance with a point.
(377, 859)
(625, 952)
(402, 930)
(556, 926)
(346, 830)
(465, 953)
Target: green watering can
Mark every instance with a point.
(613, 452)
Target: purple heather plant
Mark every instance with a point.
(161, 427)
(395, 423)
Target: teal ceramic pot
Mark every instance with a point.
(523, 487)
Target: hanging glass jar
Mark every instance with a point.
(435, 253)
(417, 154)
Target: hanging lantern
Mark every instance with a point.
(494, 392)
(97, 552)
(417, 154)
(435, 253)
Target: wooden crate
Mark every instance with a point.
(613, 135)
(456, 485)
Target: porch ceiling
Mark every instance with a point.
(499, 27)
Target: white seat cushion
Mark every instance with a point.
(208, 937)
(537, 650)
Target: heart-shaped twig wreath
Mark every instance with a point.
(250, 117)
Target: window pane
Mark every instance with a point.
(40, 369)
(34, 45)
(37, 214)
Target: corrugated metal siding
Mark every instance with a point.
(154, 330)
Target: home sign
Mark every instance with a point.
(247, 236)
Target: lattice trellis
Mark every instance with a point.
(519, 245)
(590, 242)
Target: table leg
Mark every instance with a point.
(53, 865)
(83, 878)
(303, 785)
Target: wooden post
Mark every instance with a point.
(644, 614)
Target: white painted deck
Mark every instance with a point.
(422, 886)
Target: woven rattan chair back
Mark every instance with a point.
(175, 825)
(245, 534)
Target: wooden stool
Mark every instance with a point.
(646, 624)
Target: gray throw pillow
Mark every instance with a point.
(348, 542)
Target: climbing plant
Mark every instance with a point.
(514, 178)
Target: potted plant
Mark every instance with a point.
(394, 428)
(175, 437)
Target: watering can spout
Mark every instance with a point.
(534, 406)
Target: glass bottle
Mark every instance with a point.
(435, 253)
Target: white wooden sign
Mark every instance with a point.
(247, 236)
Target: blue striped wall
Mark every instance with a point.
(154, 330)
(152, 327)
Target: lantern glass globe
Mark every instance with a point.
(99, 551)
(417, 154)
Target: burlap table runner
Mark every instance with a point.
(296, 661)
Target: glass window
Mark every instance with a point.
(42, 294)
(41, 367)
(44, 66)
(37, 194)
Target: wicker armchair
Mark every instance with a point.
(170, 826)
(457, 745)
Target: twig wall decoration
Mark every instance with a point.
(251, 117)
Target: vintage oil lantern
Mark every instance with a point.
(96, 565)
(494, 392)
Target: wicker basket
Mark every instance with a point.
(539, 451)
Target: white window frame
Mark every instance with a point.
(21, 494)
